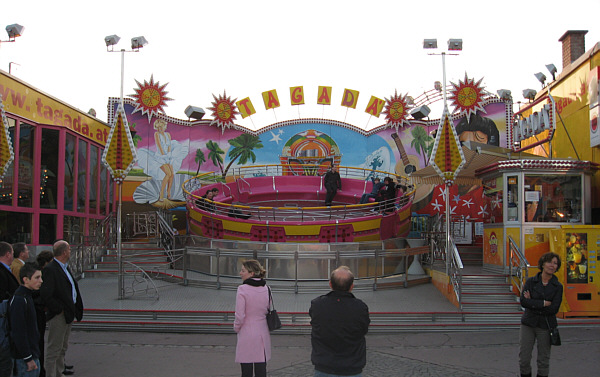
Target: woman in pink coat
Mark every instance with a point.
(253, 340)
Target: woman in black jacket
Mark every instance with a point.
(541, 298)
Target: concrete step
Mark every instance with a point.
(293, 322)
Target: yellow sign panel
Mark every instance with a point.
(375, 106)
(350, 98)
(270, 99)
(245, 107)
(29, 103)
(297, 95)
(324, 95)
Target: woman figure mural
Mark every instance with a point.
(165, 162)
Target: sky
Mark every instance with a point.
(202, 49)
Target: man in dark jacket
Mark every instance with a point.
(339, 323)
(23, 322)
(8, 286)
(60, 293)
(332, 182)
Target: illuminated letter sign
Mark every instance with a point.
(375, 106)
(324, 95)
(350, 98)
(534, 124)
(297, 95)
(245, 106)
(270, 99)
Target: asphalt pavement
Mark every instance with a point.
(453, 354)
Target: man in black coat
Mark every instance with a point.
(332, 182)
(60, 293)
(339, 323)
(8, 286)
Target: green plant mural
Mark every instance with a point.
(199, 159)
(215, 153)
(422, 142)
(243, 147)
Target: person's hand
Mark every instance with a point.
(31, 365)
(547, 303)
(526, 294)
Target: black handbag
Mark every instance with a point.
(554, 335)
(272, 317)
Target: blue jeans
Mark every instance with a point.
(22, 369)
(323, 374)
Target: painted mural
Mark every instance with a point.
(171, 150)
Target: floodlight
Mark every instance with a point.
(112, 40)
(529, 94)
(437, 86)
(541, 77)
(430, 43)
(194, 112)
(138, 42)
(552, 69)
(455, 44)
(504, 94)
(420, 112)
(14, 30)
(410, 100)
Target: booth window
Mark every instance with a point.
(26, 165)
(82, 175)
(15, 227)
(49, 169)
(551, 198)
(69, 171)
(512, 184)
(6, 184)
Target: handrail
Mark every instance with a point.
(517, 264)
(150, 288)
(166, 232)
(455, 266)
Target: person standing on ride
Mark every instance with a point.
(541, 298)
(333, 182)
(253, 348)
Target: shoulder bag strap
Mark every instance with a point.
(271, 305)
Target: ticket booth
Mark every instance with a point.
(529, 199)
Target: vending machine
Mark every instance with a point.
(578, 247)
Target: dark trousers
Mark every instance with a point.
(260, 369)
(331, 191)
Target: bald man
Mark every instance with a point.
(339, 323)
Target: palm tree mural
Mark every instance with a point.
(421, 142)
(200, 159)
(215, 153)
(243, 147)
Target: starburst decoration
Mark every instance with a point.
(224, 111)
(467, 96)
(396, 111)
(150, 98)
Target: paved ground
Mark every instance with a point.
(483, 354)
(453, 354)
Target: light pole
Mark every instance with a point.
(446, 136)
(119, 156)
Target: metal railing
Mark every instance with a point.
(517, 264)
(455, 267)
(276, 209)
(211, 261)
